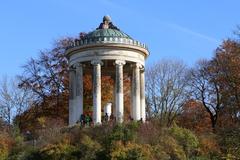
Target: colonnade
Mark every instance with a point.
(137, 92)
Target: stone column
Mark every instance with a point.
(131, 107)
(136, 92)
(96, 91)
(119, 102)
(142, 95)
(71, 95)
(79, 92)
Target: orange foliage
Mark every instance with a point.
(227, 62)
(209, 144)
(195, 117)
(107, 89)
(6, 143)
(127, 97)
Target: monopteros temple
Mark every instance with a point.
(107, 51)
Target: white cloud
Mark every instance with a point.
(153, 18)
(191, 32)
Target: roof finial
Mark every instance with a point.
(107, 23)
(106, 18)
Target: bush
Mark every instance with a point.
(5, 145)
(122, 141)
(159, 153)
(58, 151)
(150, 133)
(124, 133)
(131, 151)
(186, 139)
(200, 158)
(90, 149)
(18, 143)
(209, 146)
(172, 148)
(229, 140)
(26, 154)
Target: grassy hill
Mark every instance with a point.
(130, 141)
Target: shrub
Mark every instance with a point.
(58, 151)
(149, 133)
(122, 141)
(131, 151)
(124, 132)
(89, 149)
(229, 140)
(172, 148)
(18, 142)
(27, 153)
(209, 146)
(50, 132)
(200, 158)
(159, 153)
(186, 139)
(5, 145)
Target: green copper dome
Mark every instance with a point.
(107, 32)
(101, 33)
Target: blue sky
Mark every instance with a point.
(187, 30)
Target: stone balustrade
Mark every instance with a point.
(102, 40)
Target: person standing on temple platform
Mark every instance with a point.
(82, 120)
(106, 117)
(87, 120)
(90, 121)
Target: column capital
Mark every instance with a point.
(77, 65)
(138, 65)
(120, 62)
(71, 68)
(142, 69)
(96, 62)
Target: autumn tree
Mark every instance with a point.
(216, 83)
(194, 117)
(47, 77)
(107, 91)
(13, 100)
(166, 88)
(205, 88)
(226, 63)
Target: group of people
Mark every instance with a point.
(86, 119)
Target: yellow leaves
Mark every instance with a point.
(171, 147)
(130, 151)
(56, 151)
(208, 144)
(5, 145)
(42, 121)
(89, 143)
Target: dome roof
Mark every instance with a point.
(106, 33)
(102, 33)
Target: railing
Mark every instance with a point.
(103, 40)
